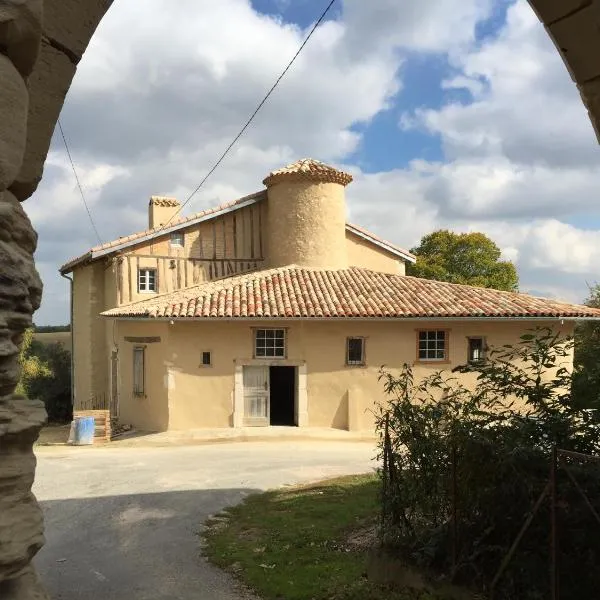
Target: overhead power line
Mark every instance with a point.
(251, 118)
(87, 208)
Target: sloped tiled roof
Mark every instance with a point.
(174, 225)
(294, 292)
(375, 239)
(308, 169)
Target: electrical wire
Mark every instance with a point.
(251, 118)
(87, 208)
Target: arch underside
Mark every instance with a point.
(44, 54)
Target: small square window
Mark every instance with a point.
(269, 343)
(476, 351)
(355, 351)
(432, 345)
(147, 280)
(177, 238)
(206, 359)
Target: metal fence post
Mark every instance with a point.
(553, 528)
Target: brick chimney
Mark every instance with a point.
(161, 209)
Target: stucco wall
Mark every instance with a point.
(90, 332)
(148, 412)
(306, 225)
(368, 256)
(38, 70)
(338, 396)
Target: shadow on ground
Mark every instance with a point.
(133, 547)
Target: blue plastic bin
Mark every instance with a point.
(83, 434)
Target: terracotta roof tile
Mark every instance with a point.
(308, 169)
(140, 235)
(295, 292)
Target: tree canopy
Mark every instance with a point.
(586, 376)
(46, 376)
(467, 258)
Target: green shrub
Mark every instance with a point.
(501, 458)
(46, 376)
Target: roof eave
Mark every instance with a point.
(407, 256)
(94, 254)
(424, 318)
(70, 266)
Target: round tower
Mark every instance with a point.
(306, 216)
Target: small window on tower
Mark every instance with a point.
(206, 359)
(476, 349)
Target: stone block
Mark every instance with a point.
(13, 116)
(590, 94)
(550, 11)
(48, 86)
(578, 40)
(21, 533)
(21, 32)
(26, 586)
(71, 23)
(15, 225)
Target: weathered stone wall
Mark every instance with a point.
(38, 59)
(37, 62)
(574, 27)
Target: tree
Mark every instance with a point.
(32, 366)
(46, 376)
(467, 258)
(586, 363)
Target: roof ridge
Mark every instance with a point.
(140, 235)
(308, 169)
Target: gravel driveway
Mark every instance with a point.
(123, 523)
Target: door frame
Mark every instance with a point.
(301, 399)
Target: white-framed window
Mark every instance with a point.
(177, 238)
(206, 358)
(355, 351)
(269, 343)
(476, 349)
(432, 345)
(146, 280)
(139, 370)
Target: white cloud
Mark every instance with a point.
(160, 94)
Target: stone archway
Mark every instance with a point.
(41, 43)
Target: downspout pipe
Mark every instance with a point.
(70, 279)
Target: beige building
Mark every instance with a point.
(271, 310)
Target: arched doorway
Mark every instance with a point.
(45, 52)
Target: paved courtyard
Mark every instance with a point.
(123, 523)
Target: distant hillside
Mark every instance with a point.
(52, 337)
(50, 328)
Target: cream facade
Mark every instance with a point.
(270, 310)
(182, 393)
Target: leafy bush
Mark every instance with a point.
(46, 376)
(497, 438)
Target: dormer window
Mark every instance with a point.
(177, 238)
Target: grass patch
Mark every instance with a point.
(304, 543)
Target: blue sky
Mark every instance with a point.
(450, 114)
